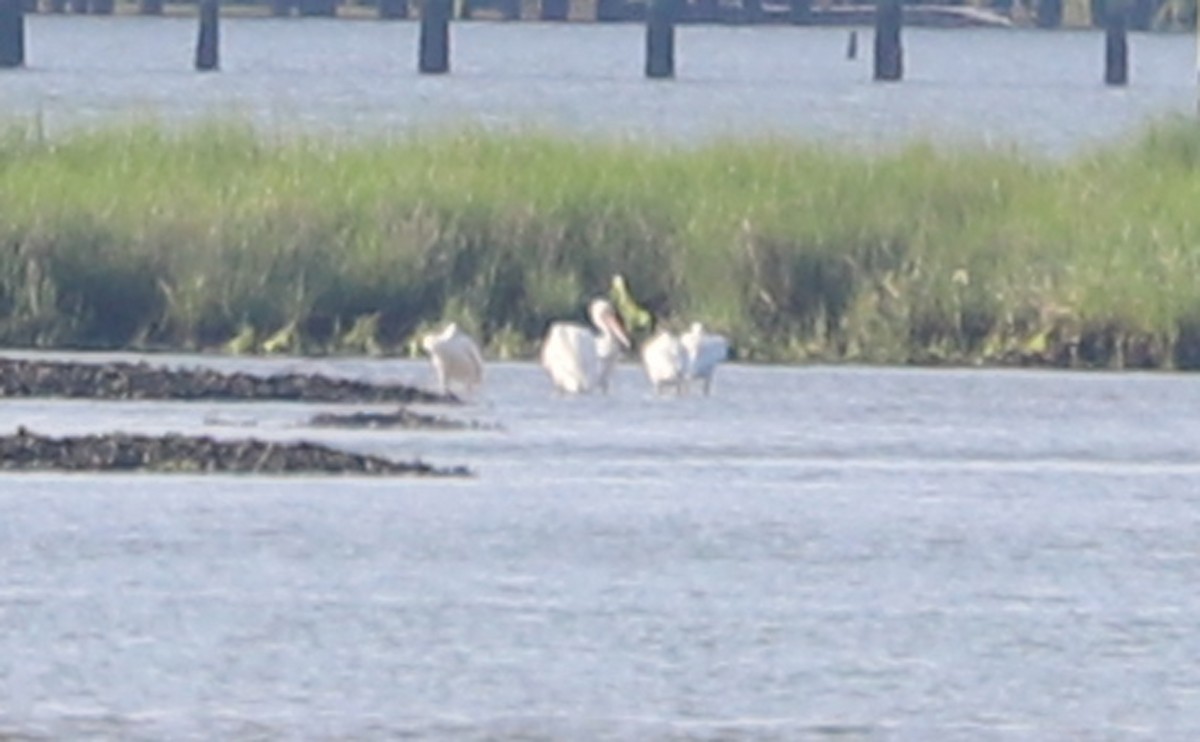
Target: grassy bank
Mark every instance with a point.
(215, 237)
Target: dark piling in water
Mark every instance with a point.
(852, 46)
(208, 40)
(12, 33)
(889, 54)
(434, 49)
(660, 39)
(393, 9)
(1116, 47)
(555, 10)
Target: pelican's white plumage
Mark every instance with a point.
(580, 360)
(456, 358)
(666, 362)
(705, 351)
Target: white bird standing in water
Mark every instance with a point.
(579, 360)
(666, 362)
(705, 351)
(456, 358)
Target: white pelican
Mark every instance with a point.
(579, 360)
(666, 362)
(704, 352)
(456, 358)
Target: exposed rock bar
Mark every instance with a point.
(28, 451)
(120, 380)
(401, 418)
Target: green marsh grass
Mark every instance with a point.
(219, 237)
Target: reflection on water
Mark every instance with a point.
(1040, 90)
(812, 553)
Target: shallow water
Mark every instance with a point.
(811, 553)
(1041, 91)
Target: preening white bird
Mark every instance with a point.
(580, 360)
(666, 362)
(456, 358)
(705, 351)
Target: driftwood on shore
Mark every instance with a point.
(29, 451)
(120, 380)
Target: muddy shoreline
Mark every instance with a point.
(123, 380)
(26, 450)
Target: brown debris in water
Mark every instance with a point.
(29, 451)
(121, 380)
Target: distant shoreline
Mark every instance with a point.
(848, 16)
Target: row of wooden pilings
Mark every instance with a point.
(433, 55)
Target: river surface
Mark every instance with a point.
(811, 553)
(1039, 91)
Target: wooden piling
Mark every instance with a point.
(889, 54)
(555, 10)
(393, 9)
(208, 40)
(852, 46)
(660, 39)
(12, 33)
(1116, 46)
(435, 37)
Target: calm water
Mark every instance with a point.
(1041, 91)
(812, 553)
